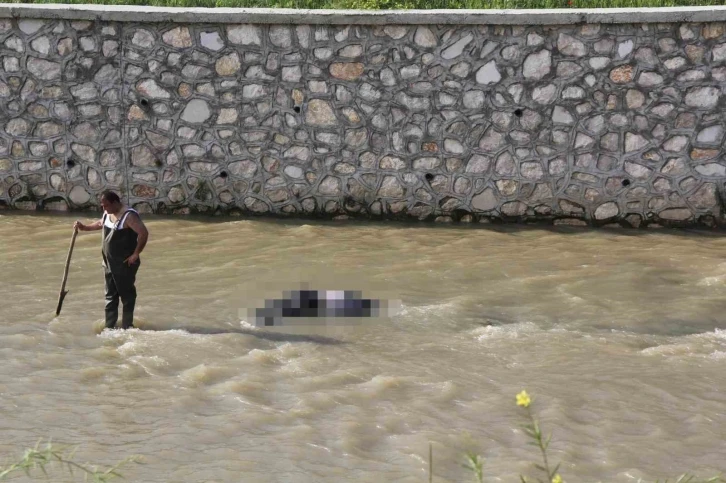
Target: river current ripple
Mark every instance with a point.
(620, 336)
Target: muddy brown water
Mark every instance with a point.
(619, 335)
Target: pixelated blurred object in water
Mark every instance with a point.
(318, 306)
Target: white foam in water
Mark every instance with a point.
(509, 331)
(138, 333)
(716, 279)
(113, 334)
(150, 364)
(711, 281)
(718, 336)
(157, 361)
(709, 345)
(247, 325)
(127, 348)
(135, 341)
(405, 310)
(668, 350)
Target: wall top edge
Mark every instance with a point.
(133, 13)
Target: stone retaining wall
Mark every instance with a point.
(391, 116)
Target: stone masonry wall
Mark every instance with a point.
(578, 123)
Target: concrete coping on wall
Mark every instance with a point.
(133, 13)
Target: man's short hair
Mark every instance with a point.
(110, 196)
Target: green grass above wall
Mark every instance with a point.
(399, 4)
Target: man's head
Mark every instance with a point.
(110, 201)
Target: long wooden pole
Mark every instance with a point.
(63, 292)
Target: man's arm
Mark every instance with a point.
(96, 225)
(134, 222)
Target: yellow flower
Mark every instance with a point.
(523, 400)
(557, 479)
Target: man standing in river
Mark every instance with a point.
(124, 238)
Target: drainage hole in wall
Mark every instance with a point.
(296, 108)
(144, 102)
(626, 182)
(429, 176)
(518, 112)
(223, 174)
(71, 164)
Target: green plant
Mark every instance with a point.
(686, 478)
(534, 431)
(475, 463)
(42, 459)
